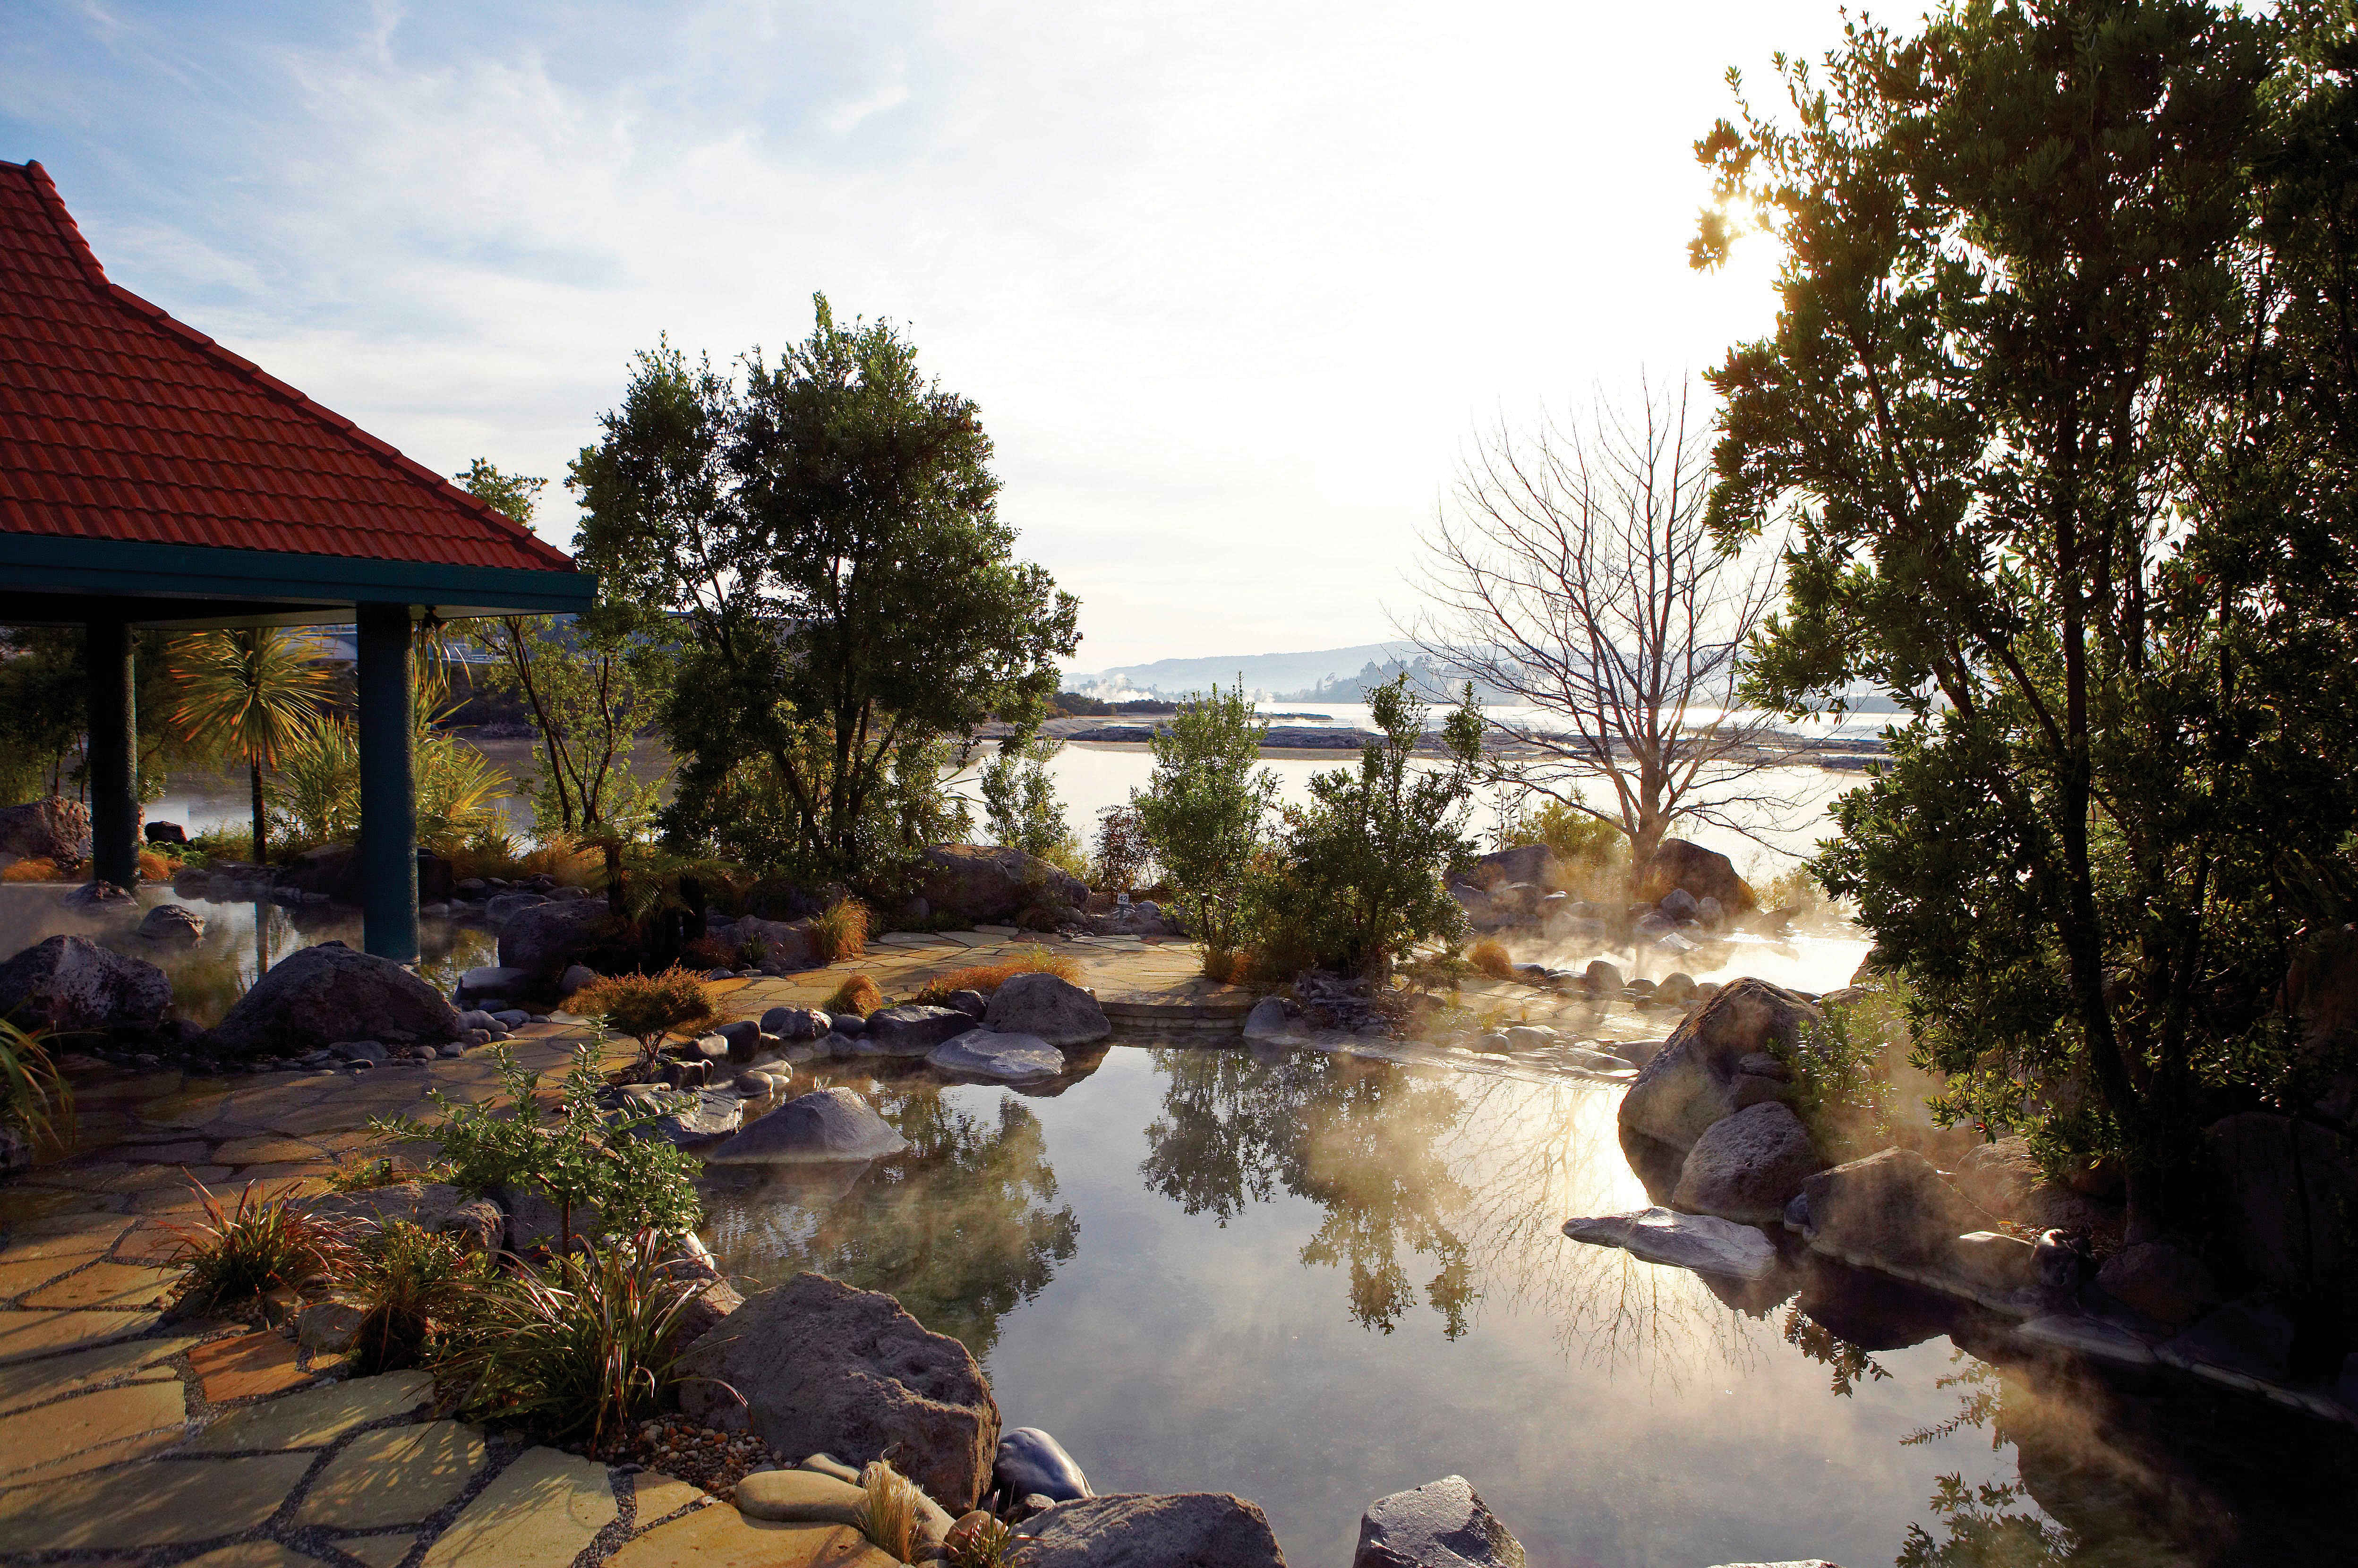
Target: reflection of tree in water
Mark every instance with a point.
(1359, 1138)
(963, 1229)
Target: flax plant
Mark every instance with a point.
(252, 691)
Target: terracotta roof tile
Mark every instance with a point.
(118, 422)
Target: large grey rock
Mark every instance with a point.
(102, 901)
(1442, 1524)
(317, 996)
(2161, 1279)
(912, 1029)
(824, 1125)
(987, 1054)
(1031, 1462)
(795, 1023)
(1141, 1530)
(73, 986)
(1705, 873)
(786, 943)
(1703, 1242)
(1746, 1167)
(1057, 1010)
(1268, 1021)
(546, 939)
(54, 829)
(2287, 1192)
(1532, 865)
(1892, 1208)
(172, 925)
(823, 1367)
(690, 1117)
(1699, 1076)
(982, 884)
(502, 907)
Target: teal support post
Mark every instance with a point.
(388, 797)
(113, 754)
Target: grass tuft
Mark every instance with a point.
(413, 1286)
(32, 868)
(888, 1518)
(840, 930)
(985, 1542)
(856, 994)
(1491, 958)
(233, 1256)
(989, 977)
(33, 1093)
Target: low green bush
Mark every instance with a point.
(413, 1287)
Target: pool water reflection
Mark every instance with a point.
(1314, 1278)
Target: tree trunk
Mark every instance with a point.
(253, 777)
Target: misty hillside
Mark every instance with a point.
(1266, 674)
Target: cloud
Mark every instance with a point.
(1230, 283)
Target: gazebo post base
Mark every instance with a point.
(388, 796)
(113, 754)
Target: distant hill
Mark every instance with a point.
(1264, 675)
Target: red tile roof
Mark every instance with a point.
(118, 422)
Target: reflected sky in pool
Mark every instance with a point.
(1313, 1279)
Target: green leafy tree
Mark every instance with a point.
(1359, 876)
(1019, 797)
(1206, 810)
(249, 692)
(2023, 411)
(829, 535)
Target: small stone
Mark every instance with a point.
(1442, 1524)
(803, 1495)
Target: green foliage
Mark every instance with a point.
(1358, 879)
(584, 1349)
(413, 1287)
(829, 533)
(647, 1007)
(1119, 859)
(581, 1158)
(1575, 837)
(1204, 811)
(2061, 411)
(45, 708)
(1019, 798)
(34, 1094)
(249, 692)
(1842, 1082)
(230, 1257)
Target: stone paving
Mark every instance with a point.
(125, 1439)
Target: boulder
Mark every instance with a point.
(1679, 905)
(52, 829)
(1054, 1010)
(823, 1125)
(2159, 1280)
(801, 1497)
(912, 1029)
(1746, 1167)
(575, 976)
(1141, 1530)
(1693, 869)
(2286, 1192)
(317, 996)
(1601, 978)
(101, 901)
(1031, 1462)
(1699, 1076)
(165, 833)
(547, 938)
(1703, 1242)
(823, 1367)
(787, 944)
(989, 1054)
(1534, 865)
(1891, 1208)
(991, 885)
(73, 986)
(334, 870)
(973, 1003)
(1268, 1021)
(173, 926)
(491, 982)
(1442, 1524)
(795, 1023)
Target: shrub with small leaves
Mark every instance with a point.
(647, 1007)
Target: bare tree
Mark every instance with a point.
(1571, 574)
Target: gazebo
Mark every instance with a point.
(149, 477)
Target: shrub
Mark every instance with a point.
(413, 1286)
(221, 843)
(1841, 1082)
(265, 1243)
(840, 930)
(34, 1094)
(1491, 956)
(589, 1347)
(1067, 856)
(989, 977)
(707, 953)
(856, 994)
(156, 868)
(647, 1007)
(32, 868)
(580, 1159)
(1204, 812)
(1123, 852)
(888, 1514)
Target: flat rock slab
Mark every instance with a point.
(396, 1476)
(2089, 1337)
(540, 1512)
(1696, 1241)
(723, 1538)
(377, 1551)
(107, 1285)
(989, 1054)
(35, 1382)
(656, 1495)
(27, 1333)
(47, 1442)
(247, 1367)
(801, 1497)
(263, 1554)
(315, 1416)
(173, 1502)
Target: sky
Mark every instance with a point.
(1234, 285)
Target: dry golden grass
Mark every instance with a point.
(1489, 955)
(573, 865)
(32, 868)
(989, 977)
(1237, 968)
(856, 994)
(840, 931)
(888, 1514)
(155, 868)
